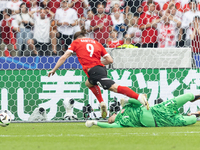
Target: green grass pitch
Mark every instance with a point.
(75, 136)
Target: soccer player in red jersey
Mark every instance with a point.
(89, 53)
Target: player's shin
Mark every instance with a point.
(97, 92)
(127, 91)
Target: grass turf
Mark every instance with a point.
(67, 136)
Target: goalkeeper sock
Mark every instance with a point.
(127, 91)
(97, 92)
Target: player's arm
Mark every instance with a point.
(107, 125)
(60, 62)
(90, 123)
(107, 60)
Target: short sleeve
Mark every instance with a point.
(15, 24)
(35, 16)
(93, 23)
(189, 31)
(75, 16)
(72, 47)
(185, 21)
(18, 18)
(110, 21)
(158, 6)
(56, 15)
(165, 6)
(141, 20)
(103, 51)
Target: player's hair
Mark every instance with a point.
(99, 3)
(21, 6)
(80, 33)
(150, 2)
(89, 11)
(193, 1)
(196, 17)
(8, 12)
(127, 39)
(173, 5)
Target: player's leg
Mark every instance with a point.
(134, 102)
(182, 99)
(97, 92)
(130, 93)
(99, 76)
(90, 123)
(185, 120)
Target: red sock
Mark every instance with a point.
(127, 91)
(97, 92)
(7, 53)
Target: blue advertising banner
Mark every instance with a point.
(38, 62)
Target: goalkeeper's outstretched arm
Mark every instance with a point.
(111, 123)
(90, 123)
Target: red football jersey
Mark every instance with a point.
(145, 7)
(178, 6)
(149, 35)
(88, 51)
(114, 44)
(103, 34)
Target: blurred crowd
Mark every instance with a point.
(46, 27)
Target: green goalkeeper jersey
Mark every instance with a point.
(132, 116)
(161, 115)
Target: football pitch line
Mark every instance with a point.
(106, 134)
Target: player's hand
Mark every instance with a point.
(52, 72)
(9, 24)
(26, 22)
(100, 26)
(47, 10)
(66, 23)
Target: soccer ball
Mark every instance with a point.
(5, 119)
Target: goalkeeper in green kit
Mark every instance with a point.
(165, 114)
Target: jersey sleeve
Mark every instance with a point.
(72, 47)
(57, 15)
(93, 23)
(141, 20)
(158, 6)
(75, 16)
(110, 21)
(103, 51)
(107, 125)
(185, 22)
(15, 24)
(165, 6)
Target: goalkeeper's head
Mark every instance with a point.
(112, 118)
